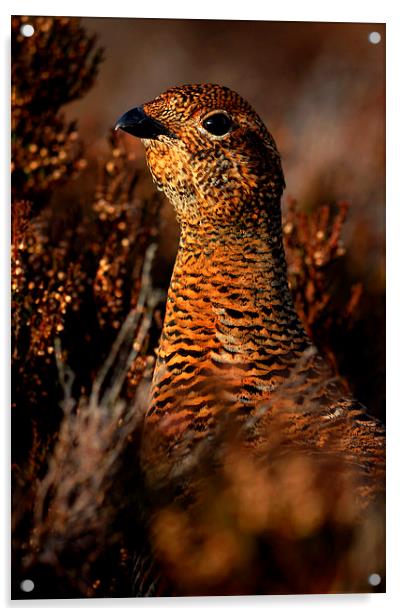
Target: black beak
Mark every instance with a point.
(136, 122)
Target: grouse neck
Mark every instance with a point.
(231, 335)
(236, 282)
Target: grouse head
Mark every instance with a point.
(210, 153)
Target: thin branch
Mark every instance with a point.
(129, 326)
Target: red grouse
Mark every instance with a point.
(231, 338)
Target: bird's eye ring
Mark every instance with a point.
(218, 124)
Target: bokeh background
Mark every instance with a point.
(84, 213)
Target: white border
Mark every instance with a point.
(286, 10)
(388, 11)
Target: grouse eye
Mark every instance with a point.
(217, 124)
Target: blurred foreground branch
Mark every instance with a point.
(76, 504)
